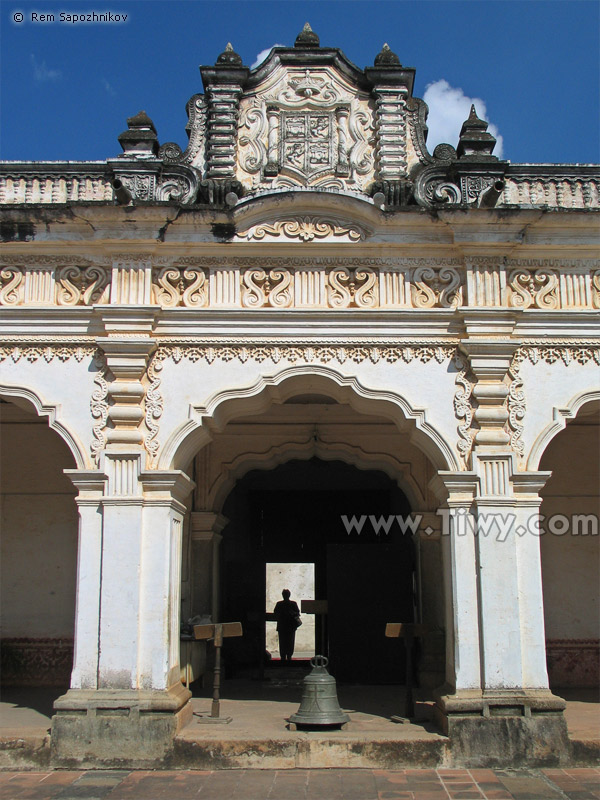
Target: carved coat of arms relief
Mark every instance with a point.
(306, 129)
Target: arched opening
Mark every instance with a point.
(38, 557)
(570, 551)
(302, 512)
(273, 486)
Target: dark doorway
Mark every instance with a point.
(295, 514)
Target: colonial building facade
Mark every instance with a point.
(304, 310)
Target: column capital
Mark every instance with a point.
(90, 483)
(528, 485)
(206, 524)
(166, 485)
(455, 487)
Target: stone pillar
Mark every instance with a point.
(205, 532)
(463, 666)
(91, 485)
(431, 605)
(127, 714)
(126, 701)
(513, 718)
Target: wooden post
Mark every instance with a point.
(408, 631)
(217, 633)
(318, 608)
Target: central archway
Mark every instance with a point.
(339, 522)
(370, 456)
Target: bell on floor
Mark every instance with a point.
(319, 707)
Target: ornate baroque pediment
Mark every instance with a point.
(306, 127)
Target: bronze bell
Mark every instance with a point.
(319, 704)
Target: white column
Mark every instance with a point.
(526, 486)
(206, 527)
(121, 572)
(160, 578)
(463, 668)
(90, 484)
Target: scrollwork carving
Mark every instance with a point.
(516, 404)
(153, 409)
(352, 287)
(307, 229)
(534, 287)
(463, 406)
(254, 121)
(99, 407)
(436, 287)
(185, 287)
(81, 286)
(262, 288)
(11, 286)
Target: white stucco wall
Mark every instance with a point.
(570, 561)
(39, 530)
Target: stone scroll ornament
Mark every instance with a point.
(99, 406)
(463, 406)
(178, 286)
(306, 229)
(11, 286)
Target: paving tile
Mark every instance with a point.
(175, 785)
(324, 783)
(358, 785)
(290, 785)
(257, 785)
(529, 786)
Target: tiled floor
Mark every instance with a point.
(294, 784)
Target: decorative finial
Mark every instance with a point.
(229, 57)
(140, 139)
(474, 139)
(140, 120)
(386, 58)
(307, 37)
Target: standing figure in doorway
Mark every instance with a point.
(287, 614)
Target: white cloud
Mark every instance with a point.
(263, 54)
(41, 73)
(448, 109)
(108, 87)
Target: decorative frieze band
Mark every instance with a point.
(291, 283)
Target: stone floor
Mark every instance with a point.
(259, 711)
(330, 784)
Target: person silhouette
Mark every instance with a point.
(287, 614)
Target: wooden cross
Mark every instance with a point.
(316, 607)
(409, 631)
(217, 632)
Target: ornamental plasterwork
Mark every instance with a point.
(463, 406)
(275, 353)
(99, 407)
(304, 229)
(550, 354)
(306, 128)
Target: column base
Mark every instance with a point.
(510, 728)
(117, 728)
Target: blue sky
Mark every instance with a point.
(67, 89)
